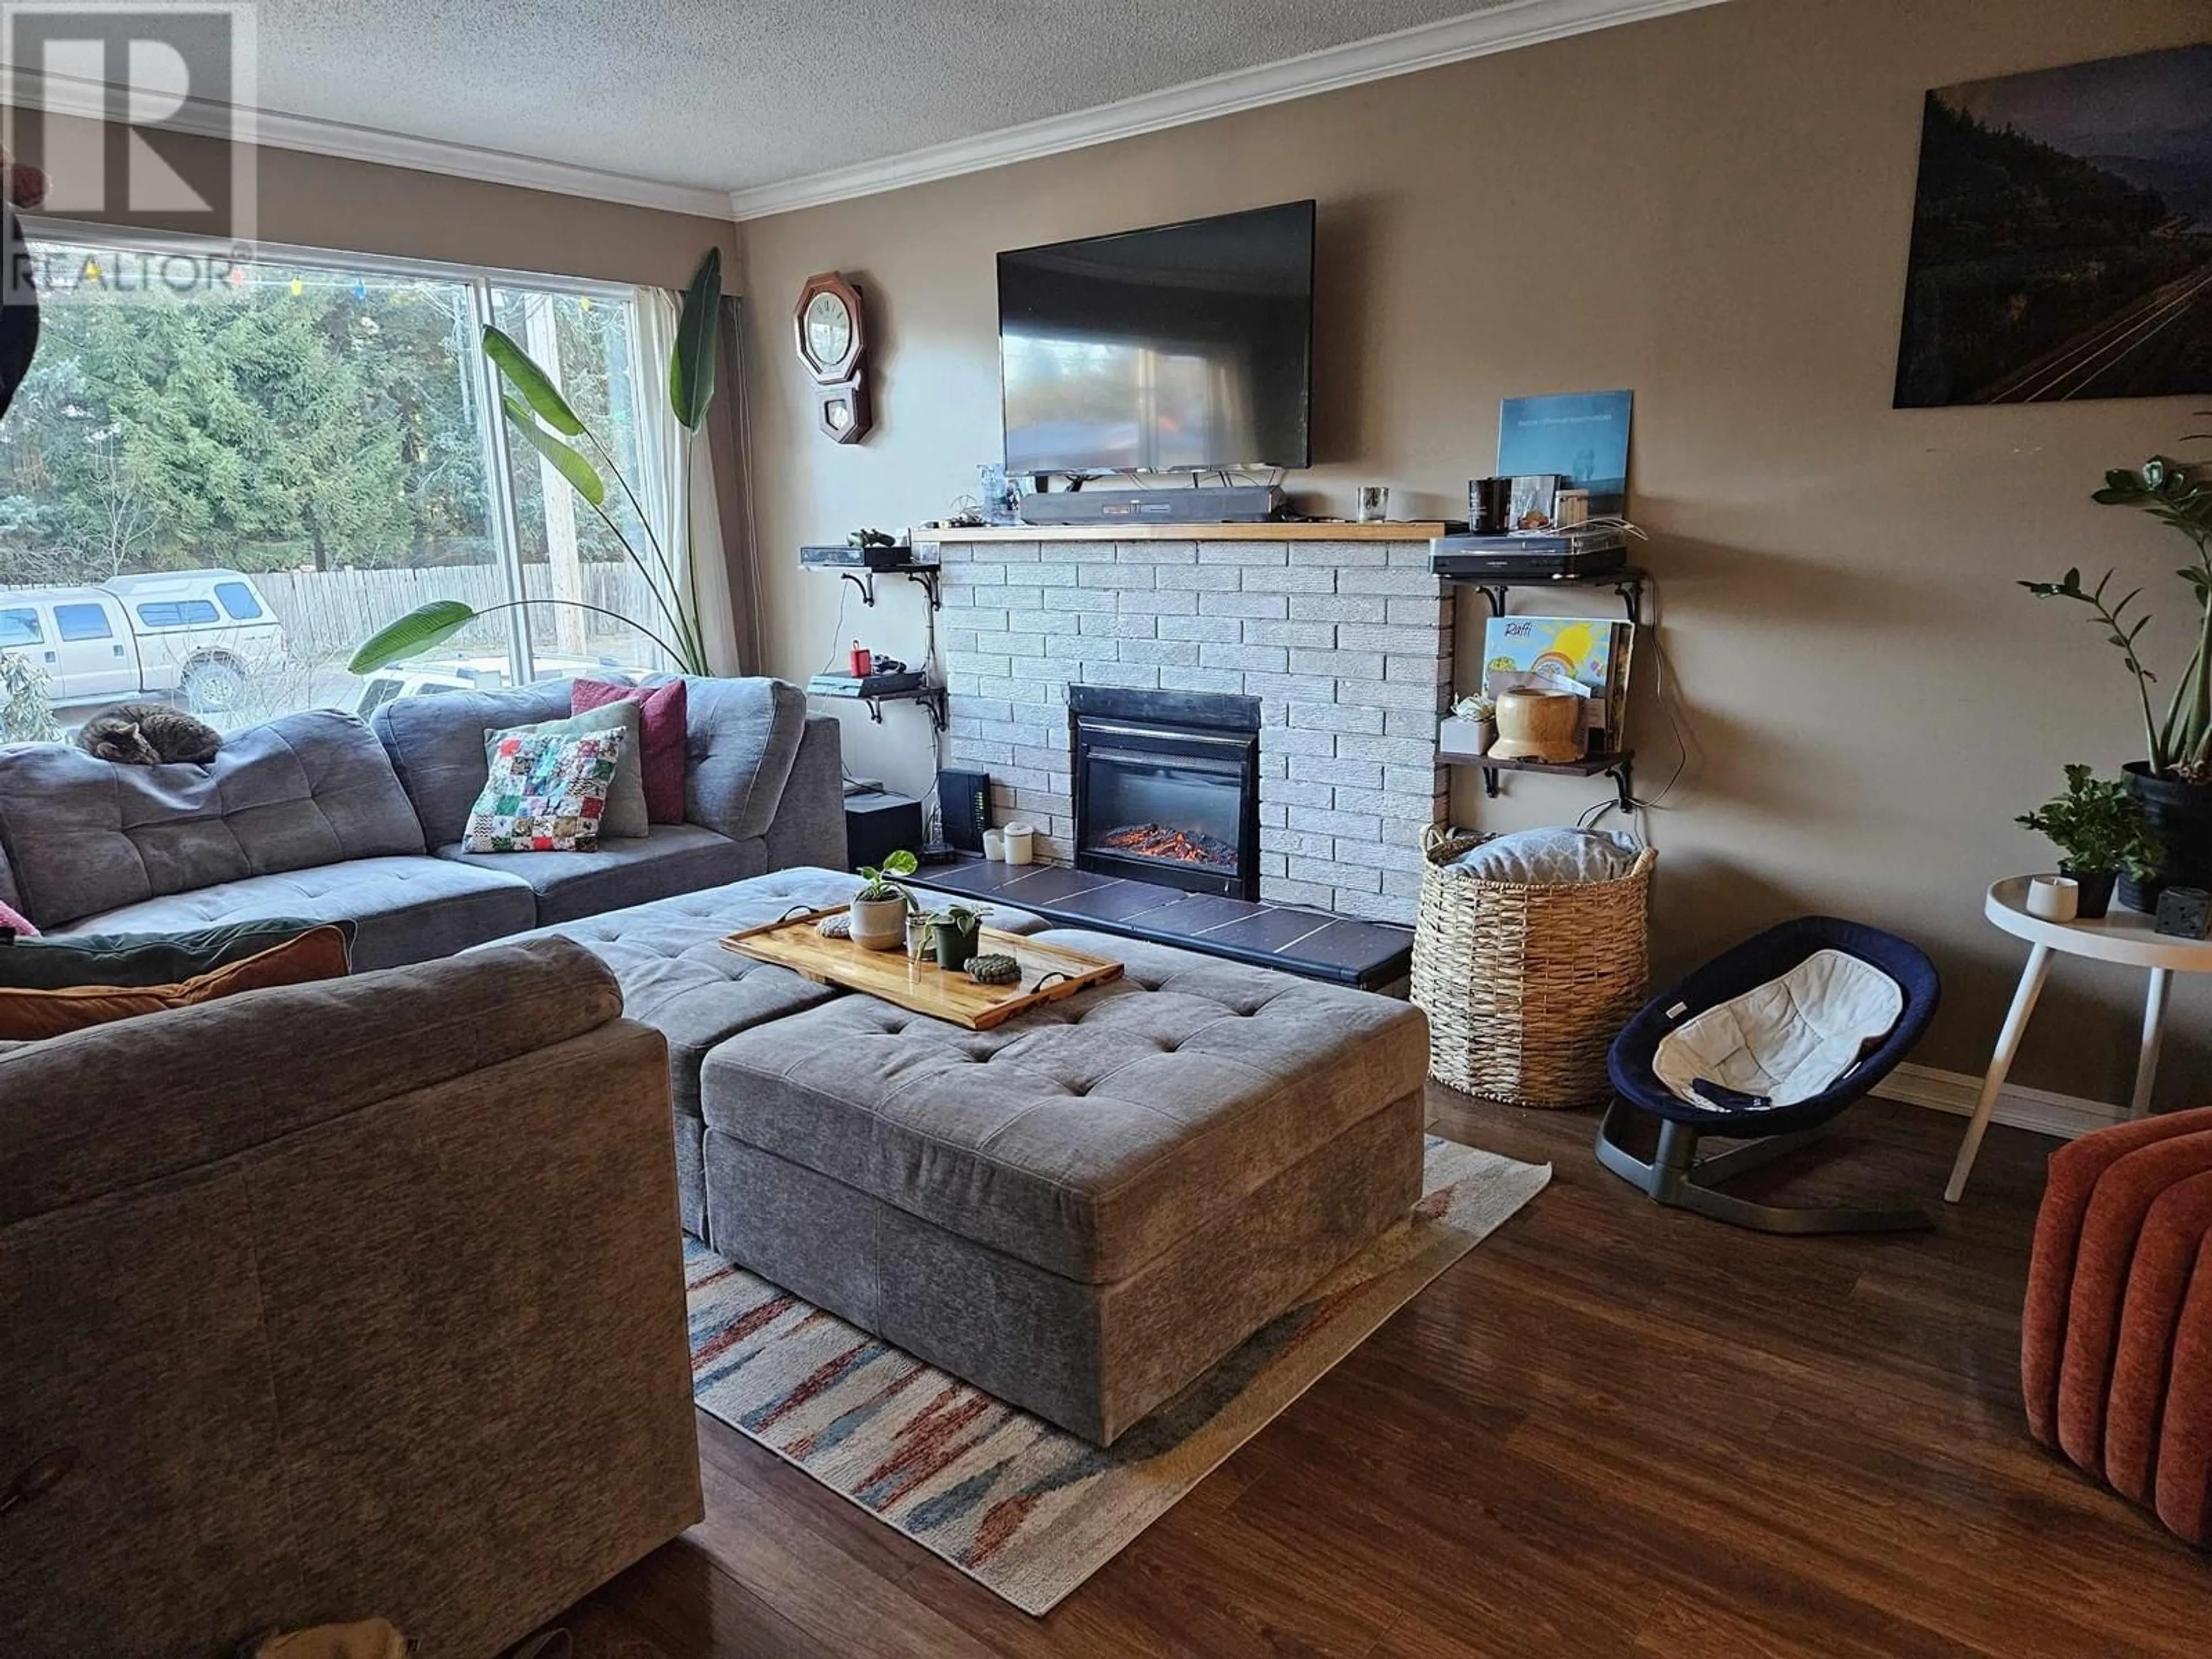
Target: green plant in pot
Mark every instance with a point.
(880, 904)
(2173, 781)
(2101, 830)
(956, 933)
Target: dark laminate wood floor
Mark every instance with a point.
(1610, 1430)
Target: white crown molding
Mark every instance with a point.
(2067, 1116)
(1502, 28)
(272, 128)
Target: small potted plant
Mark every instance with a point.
(957, 930)
(2099, 828)
(1473, 727)
(880, 905)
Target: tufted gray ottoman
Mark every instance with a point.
(1083, 1210)
(677, 978)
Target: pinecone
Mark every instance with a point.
(837, 926)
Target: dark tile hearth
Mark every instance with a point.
(1372, 954)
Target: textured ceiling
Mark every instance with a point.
(731, 95)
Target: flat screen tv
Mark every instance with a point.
(1184, 348)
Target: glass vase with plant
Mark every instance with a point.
(2101, 829)
(2173, 781)
(881, 902)
(541, 417)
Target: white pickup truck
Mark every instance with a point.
(200, 636)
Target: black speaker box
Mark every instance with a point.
(964, 798)
(878, 824)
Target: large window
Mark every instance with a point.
(221, 476)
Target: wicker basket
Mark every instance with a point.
(1525, 986)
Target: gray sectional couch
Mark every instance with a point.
(1080, 1211)
(339, 1299)
(322, 815)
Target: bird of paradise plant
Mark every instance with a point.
(535, 409)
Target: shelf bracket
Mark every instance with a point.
(927, 575)
(931, 699)
(1623, 773)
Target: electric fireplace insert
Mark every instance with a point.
(1167, 787)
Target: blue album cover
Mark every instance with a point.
(1581, 436)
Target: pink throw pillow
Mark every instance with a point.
(14, 921)
(663, 711)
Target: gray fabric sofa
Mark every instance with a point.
(336, 1300)
(318, 815)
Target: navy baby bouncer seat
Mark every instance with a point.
(1779, 1122)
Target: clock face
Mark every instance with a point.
(828, 329)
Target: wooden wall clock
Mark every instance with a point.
(832, 333)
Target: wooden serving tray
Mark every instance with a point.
(923, 986)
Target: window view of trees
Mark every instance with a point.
(314, 429)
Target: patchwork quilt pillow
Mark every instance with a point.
(546, 793)
(625, 816)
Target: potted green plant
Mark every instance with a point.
(880, 904)
(957, 931)
(2100, 829)
(2173, 781)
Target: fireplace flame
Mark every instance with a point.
(1156, 840)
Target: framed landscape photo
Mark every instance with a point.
(2061, 236)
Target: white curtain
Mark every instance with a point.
(678, 474)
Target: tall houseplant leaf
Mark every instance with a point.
(536, 386)
(420, 629)
(581, 474)
(698, 337)
(538, 412)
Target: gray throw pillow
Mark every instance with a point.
(625, 814)
(1551, 858)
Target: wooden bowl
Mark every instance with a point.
(1545, 726)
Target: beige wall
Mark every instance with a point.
(1714, 209)
(320, 201)
(359, 207)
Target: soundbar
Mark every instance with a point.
(1217, 504)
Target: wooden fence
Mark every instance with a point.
(326, 613)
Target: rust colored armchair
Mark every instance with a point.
(2115, 1347)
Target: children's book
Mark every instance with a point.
(1587, 656)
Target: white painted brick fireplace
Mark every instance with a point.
(1347, 644)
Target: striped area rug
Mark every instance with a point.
(1027, 1510)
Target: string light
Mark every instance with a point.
(360, 289)
(91, 270)
(298, 287)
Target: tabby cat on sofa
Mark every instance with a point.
(149, 734)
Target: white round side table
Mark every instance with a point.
(2126, 937)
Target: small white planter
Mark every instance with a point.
(879, 924)
(1457, 736)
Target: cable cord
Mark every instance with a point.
(1670, 705)
(837, 632)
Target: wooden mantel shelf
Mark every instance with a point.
(1289, 531)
